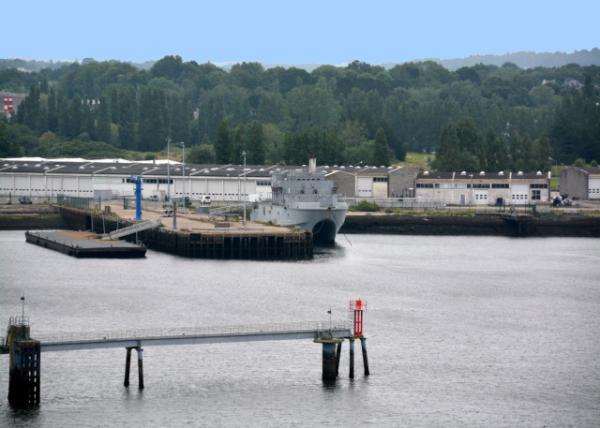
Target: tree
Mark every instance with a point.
(381, 150)
(458, 148)
(223, 144)
(255, 144)
(127, 118)
(201, 153)
(103, 122)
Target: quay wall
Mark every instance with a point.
(30, 217)
(495, 225)
(212, 245)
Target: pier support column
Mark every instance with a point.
(351, 374)
(127, 367)
(329, 361)
(140, 355)
(363, 345)
(24, 366)
(338, 354)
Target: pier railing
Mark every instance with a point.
(208, 331)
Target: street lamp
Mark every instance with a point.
(244, 195)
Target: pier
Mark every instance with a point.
(25, 351)
(196, 236)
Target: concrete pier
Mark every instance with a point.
(24, 367)
(250, 243)
(330, 358)
(24, 379)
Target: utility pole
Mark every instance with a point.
(244, 195)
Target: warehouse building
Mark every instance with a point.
(107, 178)
(580, 183)
(483, 188)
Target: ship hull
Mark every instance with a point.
(323, 223)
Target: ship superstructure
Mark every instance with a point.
(305, 199)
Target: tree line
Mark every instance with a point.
(480, 117)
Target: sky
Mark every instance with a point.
(292, 32)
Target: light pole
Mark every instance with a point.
(182, 144)
(22, 308)
(168, 169)
(244, 195)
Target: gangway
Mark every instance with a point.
(129, 230)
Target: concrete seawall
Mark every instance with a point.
(21, 217)
(571, 225)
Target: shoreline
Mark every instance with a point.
(570, 225)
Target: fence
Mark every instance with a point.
(396, 202)
(232, 330)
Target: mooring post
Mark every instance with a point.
(363, 345)
(351, 375)
(140, 356)
(127, 367)
(338, 354)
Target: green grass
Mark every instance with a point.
(420, 160)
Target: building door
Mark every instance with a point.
(365, 187)
(594, 187)
(462, 200)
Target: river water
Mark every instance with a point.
(462, 331)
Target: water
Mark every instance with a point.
(476, 331)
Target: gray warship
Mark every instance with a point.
(305, 199)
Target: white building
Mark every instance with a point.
(483, 188)
(580, 183)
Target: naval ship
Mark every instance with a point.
(305, 199)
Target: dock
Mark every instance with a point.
(197, 235)
(84, 244)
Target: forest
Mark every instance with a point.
(478, 117)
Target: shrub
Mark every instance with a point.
(365, 206)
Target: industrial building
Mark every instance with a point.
(580, 182)
(109, 178)
(483, 188)
(112, 178)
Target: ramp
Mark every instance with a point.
(138, 227)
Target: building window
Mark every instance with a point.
(499, 185)
(538, 186)
(536, 195)
(424, 185)
(380, 179)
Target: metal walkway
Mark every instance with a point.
(194, 335)
(138, 227)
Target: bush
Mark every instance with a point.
(365, 206)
